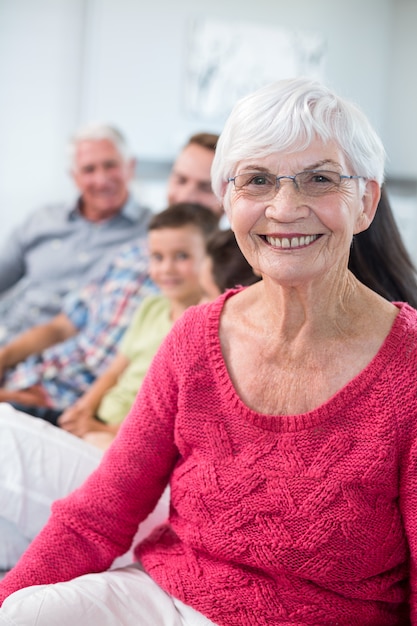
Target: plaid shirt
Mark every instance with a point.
(101, 311)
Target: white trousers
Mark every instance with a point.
(121, 597)
(40, 463)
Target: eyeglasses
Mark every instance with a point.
(264, 185)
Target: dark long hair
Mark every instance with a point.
(379, 259)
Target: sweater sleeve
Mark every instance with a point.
(96, 523)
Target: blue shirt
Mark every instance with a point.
(54, 252)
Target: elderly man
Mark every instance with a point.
(61, 248)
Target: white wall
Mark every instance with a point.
(67, 62)
(40, 59)
(139, 77)
(401, 90)
(401, 118)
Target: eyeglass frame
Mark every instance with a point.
(293, 178)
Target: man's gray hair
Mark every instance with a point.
(98, 132)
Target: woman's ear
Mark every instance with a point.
(370, 201)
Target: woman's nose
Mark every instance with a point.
(287, 204)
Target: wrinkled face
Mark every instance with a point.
(175, 259)
(102, 175)
(190, 179)
(294, 237)
(208, 285)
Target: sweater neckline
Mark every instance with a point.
(342, 399)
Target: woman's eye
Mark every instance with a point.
(325, 177)
(259, 181)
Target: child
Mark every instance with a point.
(176, 241)
(224, 267)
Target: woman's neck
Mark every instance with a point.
(320, 311)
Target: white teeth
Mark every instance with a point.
(291, 242)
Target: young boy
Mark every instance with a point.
(223, 267)
(177, 242)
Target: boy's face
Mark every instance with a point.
(175, 259)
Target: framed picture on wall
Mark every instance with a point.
(226, 60)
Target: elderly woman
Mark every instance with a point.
(283, 415)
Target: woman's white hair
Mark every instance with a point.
(98, 132)
(287, 116)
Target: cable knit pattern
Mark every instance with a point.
(275, 520)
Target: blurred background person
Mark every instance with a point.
(177, 248)
(190, 177)
(59, 248)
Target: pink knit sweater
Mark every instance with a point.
(275, 520)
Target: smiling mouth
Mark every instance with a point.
(301, 241)
(105, 193)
